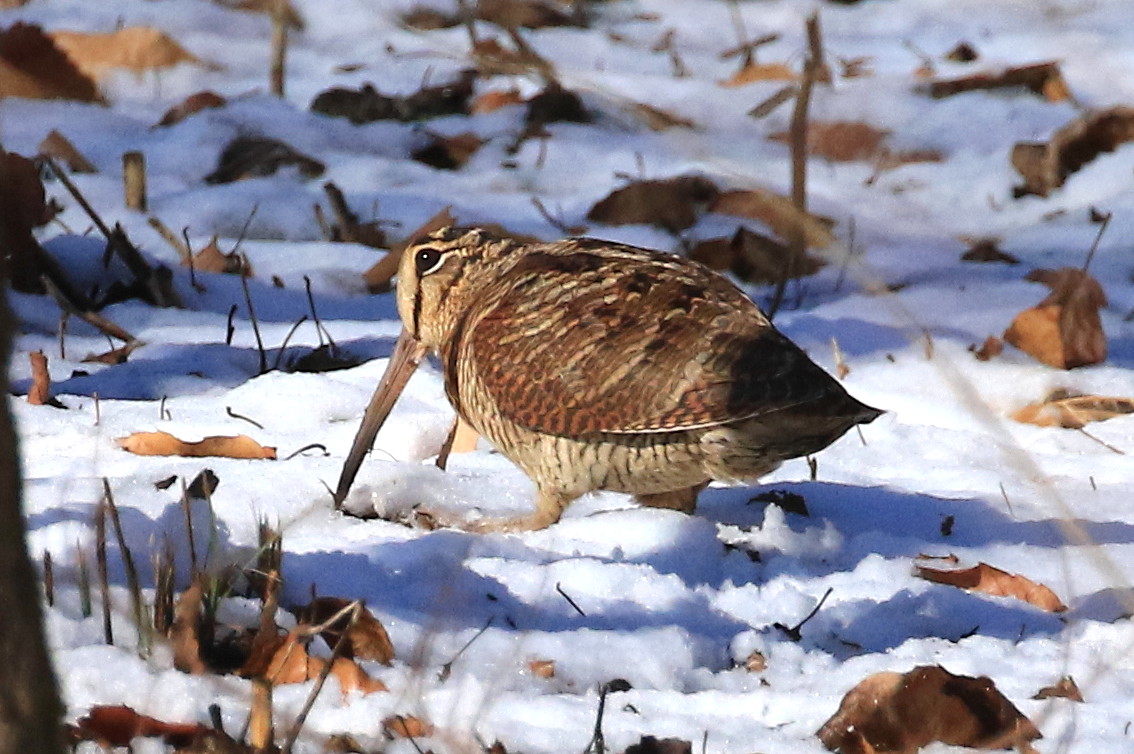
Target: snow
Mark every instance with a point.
(672, 604)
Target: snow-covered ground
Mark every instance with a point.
(673, 604)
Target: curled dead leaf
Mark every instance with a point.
(900, 713)
(194, 103)
(448, 152)
(366, 639)
(39, 393)
(1063, 330)
(33, 66)
(184, 634)
(989, 349)
(496, 99)
(138, 48)
(672, 204)
(778, 213)
(988, 579)
(840, 141)
(211, 259)
(1065, 688)
(1063, 408)
(754, 72)
(257, 156)
(1043, 79)
(59, 147)
(406, 726)
(165, 444)
(986, 249)
(118, 725)
(1045, 166)
(542, 668)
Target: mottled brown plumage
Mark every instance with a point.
(595, 365)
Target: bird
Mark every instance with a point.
(595, 365)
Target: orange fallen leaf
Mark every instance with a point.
(165, 444)
(900, 713)
(494, 100)
(542, 668)
(40, 391)
(1044, 79)
(1063, 330)
(672, 204)
(448, 152)
(991, 348)
(778, 213)
(211, 259)
(406, 726)
(840, 141)
(138, 48)
(1062, 408)
(59, 147)
(754, 72)
(284, 659)
(184, 634)
(1065, 688)
(118, 725)
(1045, 166)
(366, 639)
(991, 580)
(33, 66)
(194, 103)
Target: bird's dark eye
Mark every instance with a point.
(427, 260)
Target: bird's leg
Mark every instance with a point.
(684, 500)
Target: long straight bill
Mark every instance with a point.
(408, 353)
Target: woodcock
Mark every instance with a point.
(598, 366)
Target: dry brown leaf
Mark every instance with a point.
(900, 713)
(654, 745)
(32, 66)
(1066, 688)
(406, 726)
(59, 147)
(991, 348)
(756, 662)
(542, 668)
(528, 14)
(184, 633)
(192, 104)
(494, 100)
(991, 580)
(113, 356)
(211, 259)
(1063, 330)
(840, 141)
(1043, 79)
(449, 152)
(752, 257)
(366, 639)
(118, 725)
(379, 276)
(1045, 166)
(754, 72)
(258, 156)
(291, 15)
(657, 119)
(672, 204)
(39, 393)
(778, 213)
(165, 444)
(986, 250)
(139, 48)
(1062, 408)
(284, 659)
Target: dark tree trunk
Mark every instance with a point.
(30, 709)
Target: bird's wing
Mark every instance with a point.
(621, 340)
